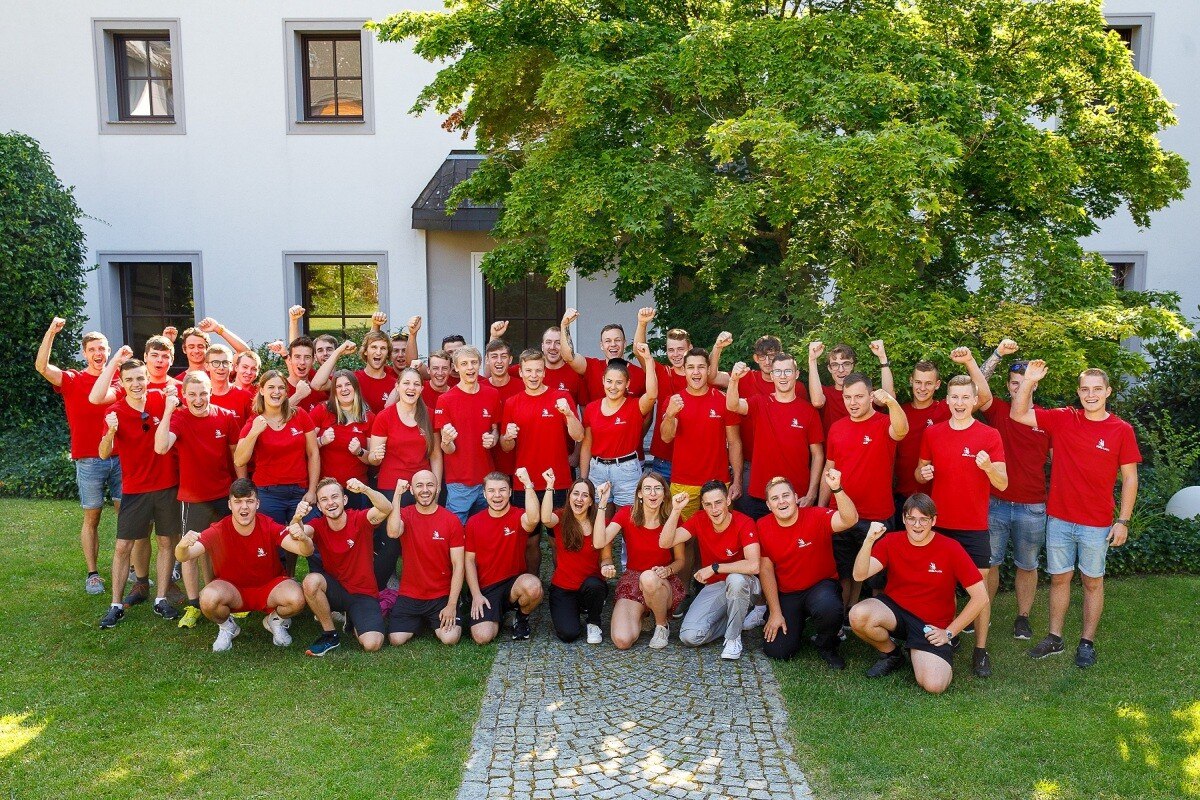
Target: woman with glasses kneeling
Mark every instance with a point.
(917, 604)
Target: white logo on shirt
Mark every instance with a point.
(349, 543)
(728, 552)
(219, 434)
(796, 423)
(294, 432)
(934, 568)
(712, 414)
(357, 430)
(487, 414)
(1101, 446)
(618, 421)
(437, 536)
(262, 553)
(508, 531)
(928, 422)
(967, 452)
(546, 412)
(866, 440)
(802, 543)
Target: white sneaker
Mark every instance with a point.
(594, 635)
(659, 640)
(225, 636)
(279, 632)
(756, 617)
(733, 649)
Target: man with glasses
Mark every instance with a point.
(841, 362)
(218, 362)
(754, 383)
(916, 609)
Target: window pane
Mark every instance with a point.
(509, 302)
(160, 59)
(349, 59)
(138, 97)
(543, 301)
(324, 289)
(135, 58)
(177, 289)
(321, 325)
(320, 59)
(321, 102)
(350, 98)
(161, 99)
(362, 289)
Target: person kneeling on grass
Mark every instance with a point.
(346, 579)
(917, 604)
(247, 572)
(580, 570)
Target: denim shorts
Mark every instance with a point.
(661, 467)
(624, 478)
(463, 500)
(1070, 545)
(1024, 524)
(92, 475)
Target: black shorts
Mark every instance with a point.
(138, 511)
(978, 544)
(847, 544)
(198, 516)
(362, 610)
(753, 507)
(497, 595)
(410, 615)
(910, 631)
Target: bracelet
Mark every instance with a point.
(885, 364)
(837, 490)
(1124, 522)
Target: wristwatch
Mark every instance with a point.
(949, 635)
(1124, 522)
(715, 569)
(839, 489)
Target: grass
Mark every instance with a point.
(147, 710)
(1127, 728)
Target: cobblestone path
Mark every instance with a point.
(590, 721)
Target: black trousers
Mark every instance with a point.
(822, 603)
(566, 606)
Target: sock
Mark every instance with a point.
(980, 649)
(1087, 641)
(118, 605)
(194, 602)
(228, 625)
(1023, 616)
(1055, 637)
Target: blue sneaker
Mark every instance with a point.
(324, 643)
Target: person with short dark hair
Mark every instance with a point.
(728, 544)
(301, 354)
(498, 356)
(593, 370)
(218, 365)
(917, 605)
(841, 362)
(345, 580)
(467, 422)
(245, 372)
(441, 371)
(578, 583)
(496, 569)
(798, 574)
(195, 345)
(924, 410)
(247, 572)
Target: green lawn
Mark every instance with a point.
(147, 710)
(1127, 728)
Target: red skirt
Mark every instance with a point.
(630, 588)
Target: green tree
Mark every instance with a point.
(920, 170)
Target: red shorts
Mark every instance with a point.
(630, 588)
(254, 598)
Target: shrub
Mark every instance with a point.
(37, 458)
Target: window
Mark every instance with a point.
(153, 296)
(329, 77)
(1136, 31)
(529, 305)
(339, 297)
(1128, 270)
(139, 78)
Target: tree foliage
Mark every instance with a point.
(920, 170)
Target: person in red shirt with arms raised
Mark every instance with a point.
(578, 584)
(1091, 448)
(592, 370)
(218, 364)
(247, 572)
(841, 362)
(917, 604)
(467, 421)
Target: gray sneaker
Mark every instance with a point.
(1085, 655)
(93, 584)
(1050, 646)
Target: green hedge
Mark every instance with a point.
(37, 459)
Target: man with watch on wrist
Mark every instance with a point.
(917, 605)
(1091, 447)
(728, 543)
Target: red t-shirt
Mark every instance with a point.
(245, 561)
(669, 382)
(1088, 456)
(205, 459)
(802, 553)
(614, 435)
(406, 452)
(641, 544)
(336, 459)
(962, 489)
(239, 401)
(783, 433)
(472, 415)
(922, 579)
(432, 396)
(753, 385)
(348, 554)
(542, 438)
(85, 420)
(498, 544)
(1027, 449)
(426, 545)
(573, 567)
(701, 454)
(835, 406)
(564, 379)
(375, 391)
(506, 462)
(313, 399)
(280, 457)
(143, 470)
(593, 379)
(722, 547)
(908, 449)
(865, 454)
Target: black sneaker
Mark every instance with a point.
(1085, 655)
(520, 626)
(969, 629)
(831, 657)
(887, 664)
(1022, 629)
(115, 614)
(324, 643)
(981, 663)
(140, 593)
(165, 610)
(1050, 646)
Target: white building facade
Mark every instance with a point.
(237, 158)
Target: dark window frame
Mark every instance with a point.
(181, 320)
(305, 40)
(306, 298)
(533, 338)
(123, 77)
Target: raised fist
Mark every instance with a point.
(876, 530)
(603, 491)
(379, 318)
(680, 501)
(326, 437)
(569, 316)
(522, 475)
(189, 539)
(724, 339)
(674, 406)
(296, 312)
(563, 406)
(449, 434)
(414, 324)
(511, 431)
(123, 354)
(881, 398)
(110, 419)
(815, 350)
(303, 390)
(356, 486)
(548, 477)
(927, 472)
(983, 460)
(171, 332)
(1006, 347)
(1035, 370)
(171, 403)
(833, 478)
(489, 440)
(877, 348)
(646, 314)
(739, 371)
(208, 325)
(355, 447)
(57, 324)
(498, 328)
(302, 509)
(347, 347)
(642, 351)
(961, 355)
(277, 347)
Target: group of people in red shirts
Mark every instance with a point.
(757, 502)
